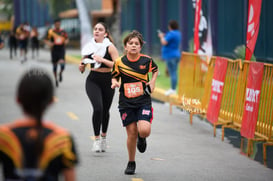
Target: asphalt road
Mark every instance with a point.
(176, 150)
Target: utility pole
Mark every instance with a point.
(85, 22)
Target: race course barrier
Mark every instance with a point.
(229, 93)
(257, 120)
(193, 84)
(223, 92)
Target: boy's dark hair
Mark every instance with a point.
(134, 34)
(34, 93)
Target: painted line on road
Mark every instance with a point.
(72, 116)
(137, 179)
(157, 159)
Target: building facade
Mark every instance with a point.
(227, 20)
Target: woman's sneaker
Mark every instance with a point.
(103, 144)
(131, 167)
(96, 146)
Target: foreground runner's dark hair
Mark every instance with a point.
(35, 92)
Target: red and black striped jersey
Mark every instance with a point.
(136, 72)
(57, 36)
(18, 150)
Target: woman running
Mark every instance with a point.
(101, 54)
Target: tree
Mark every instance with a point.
(6, 8)
(55, 7)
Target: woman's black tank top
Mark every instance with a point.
(106, 56)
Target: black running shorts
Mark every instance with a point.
(57, 54)
(130, 115)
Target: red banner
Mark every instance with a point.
(252, 99)
(196, 25)
(217, 86)
(253, 24)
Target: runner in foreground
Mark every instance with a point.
(135, 103)
(32, 148)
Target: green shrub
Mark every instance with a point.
(240, 53)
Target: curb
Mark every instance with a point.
(71, 59)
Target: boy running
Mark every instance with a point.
(135, 103)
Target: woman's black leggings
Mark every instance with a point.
(100, 93)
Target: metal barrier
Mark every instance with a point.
(194, 89)
(237, 114)
(201, 108)
(191, 83)
(264, 126)
(229, 97)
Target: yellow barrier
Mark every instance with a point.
(237, 114)
(191, 84)
(201, 108)
(194, 89)
(264, 126)
(229, 98)
(5, 25)
(192, 76)
(267, 108)
(196, 102)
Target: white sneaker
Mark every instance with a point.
(103, 144)
(96, 146)
(169, 92)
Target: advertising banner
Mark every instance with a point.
(253, 24)
(198, 4)
(217, 87)
(252, 99)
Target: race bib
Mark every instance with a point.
(132, 90)
(22, 36)
(58, 41)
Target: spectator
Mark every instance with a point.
(171, 52)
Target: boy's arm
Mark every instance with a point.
(115, 83)
(115, 75)
(153, 80)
